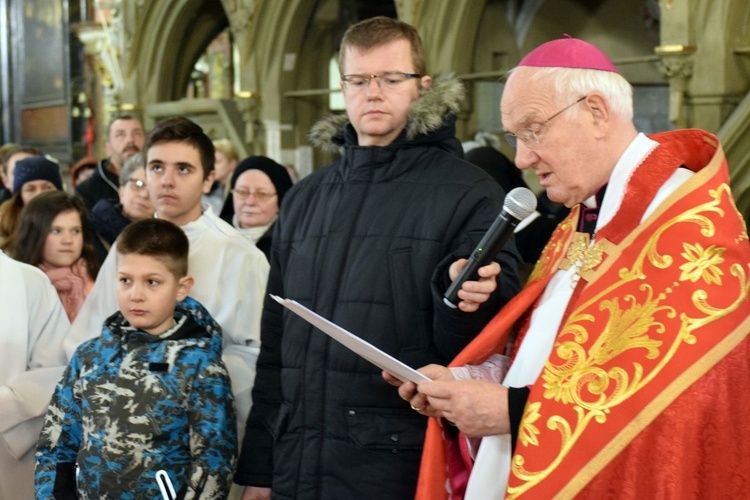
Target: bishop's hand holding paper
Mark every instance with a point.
(472, 295)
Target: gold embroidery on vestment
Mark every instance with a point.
(702, 263)
(637, 321)
(584, 257)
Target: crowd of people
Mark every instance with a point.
(603, 352)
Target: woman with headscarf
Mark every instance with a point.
(257, 188)
(32, 176)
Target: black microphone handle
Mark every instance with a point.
(492, 241)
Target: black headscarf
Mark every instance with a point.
(277, 173)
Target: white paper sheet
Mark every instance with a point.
(382, 360)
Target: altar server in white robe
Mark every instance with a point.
(230, 272)
(32, 360)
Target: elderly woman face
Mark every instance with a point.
(136, 203)
(256, 202)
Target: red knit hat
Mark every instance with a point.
(568, 52)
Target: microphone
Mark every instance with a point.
(518, 204)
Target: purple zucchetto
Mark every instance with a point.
(568, 52)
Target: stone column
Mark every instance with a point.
(273, 130)
(676, 66)
(247, 104)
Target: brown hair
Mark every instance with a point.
(227, 148)
(157, 238)
(378, 31)
(182, 130)
(79, 167)
(4, 149)
(34, 223)
(8, 152)
(10, 211)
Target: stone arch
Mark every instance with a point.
(171, 38)
(480, 40)
(168, 40)
(278, 57)
(289, 51)
(616, 27)
(449, 32)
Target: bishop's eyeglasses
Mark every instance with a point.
(531, 134)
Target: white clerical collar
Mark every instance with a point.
(634, 155)
(590, 202)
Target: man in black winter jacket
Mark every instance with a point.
(370, 242)
(125, 137)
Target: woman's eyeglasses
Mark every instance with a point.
(242, 194)
(137, 184)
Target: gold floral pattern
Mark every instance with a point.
(702, 263)
(637, 325)
(583, 256)
(553, 249)
(528, 432)
(580, 380)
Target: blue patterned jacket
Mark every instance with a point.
(131, 404)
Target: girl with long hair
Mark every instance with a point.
(53, 234)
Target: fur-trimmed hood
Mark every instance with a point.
(426, 115)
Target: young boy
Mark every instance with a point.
(230, 272)
(150, 394)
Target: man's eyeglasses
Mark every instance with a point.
(531, 134)
(242, 194)
(137, 184)
(389, 80)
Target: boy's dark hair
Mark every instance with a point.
(181, 129)
(378, 31)
(34, 223)
(157, 238)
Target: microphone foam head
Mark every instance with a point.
(520, 203)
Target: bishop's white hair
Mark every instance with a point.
(570, 84)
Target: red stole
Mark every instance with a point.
(664, 314)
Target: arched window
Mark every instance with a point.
(213, 73)
(335, 98)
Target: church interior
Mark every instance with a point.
(261, 72)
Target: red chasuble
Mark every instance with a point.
(646, 393)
